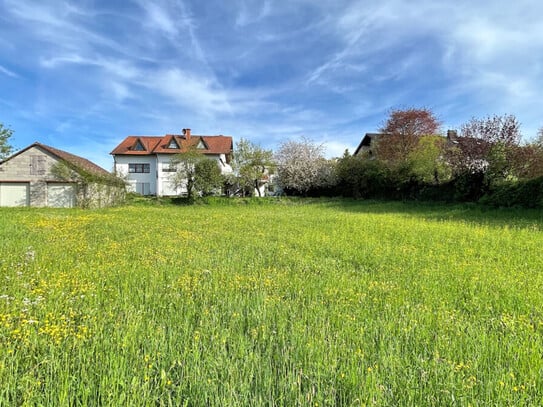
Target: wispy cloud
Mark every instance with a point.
(329, 69)
(193, 92)
(7, 72)
(251, 12)
(160, 19)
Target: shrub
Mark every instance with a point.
(525, 194)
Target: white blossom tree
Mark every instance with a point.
(301, 166)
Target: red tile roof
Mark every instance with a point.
(159, 144)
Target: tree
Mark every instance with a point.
(207, 176)
(252, 166)
(496, 129)
(301, 165)
(5, 148)
(411, 122)
(486, 146)
(195, 173)
(426, 160)
(539, 139)
(401, 133)
(528, 158)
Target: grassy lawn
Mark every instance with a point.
(290, 303)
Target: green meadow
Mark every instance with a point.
(271, 303)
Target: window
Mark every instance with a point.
(138, 146)
(139, 168)
(37, 165)
(173, 144)
(201, 145)
(169, 168)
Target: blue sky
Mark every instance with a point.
(82, 75)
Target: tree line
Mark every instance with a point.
(486, 160)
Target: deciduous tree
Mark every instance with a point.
(427, 162)
(5, 148)
(486, 145)
(301, 165)
(401, 133)
(411, 122)
(207, 178)
(252, 166)
(196, 173)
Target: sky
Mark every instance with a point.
(82, 75)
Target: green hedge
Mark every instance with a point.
(522, 194)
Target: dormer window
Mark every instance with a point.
(173, 144)
(201, 145)
(138, 146)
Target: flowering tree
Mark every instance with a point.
(301, 166)
(486, 145)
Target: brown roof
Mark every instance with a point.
(73, 159)
(76, 160)
(159, 144)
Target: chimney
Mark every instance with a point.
(452, 135)
(186, 133)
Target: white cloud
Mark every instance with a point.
(194, 92)
(116, 67)
(160, 19)
(7, 72)
(251, 12)
(268, 73)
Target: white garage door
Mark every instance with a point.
(61, 195)
(14, 194)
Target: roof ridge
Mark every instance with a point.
(73, 158)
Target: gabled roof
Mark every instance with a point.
(368, 139)
(69, 158)
(160, 144)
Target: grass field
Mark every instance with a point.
(289, 303)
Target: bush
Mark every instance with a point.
(469, 186)
(524, 194)
(358, 177)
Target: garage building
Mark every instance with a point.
(40, 175)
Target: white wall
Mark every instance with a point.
(165, 180)
(137, 180)
(160, 182)
(225, 168)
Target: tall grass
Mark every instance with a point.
(303, 303)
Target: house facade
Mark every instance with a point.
(40, 175)
(145, 162)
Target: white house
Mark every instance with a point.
(145, 162)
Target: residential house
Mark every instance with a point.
(368, 142)
(145, 162)
(40, 175)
